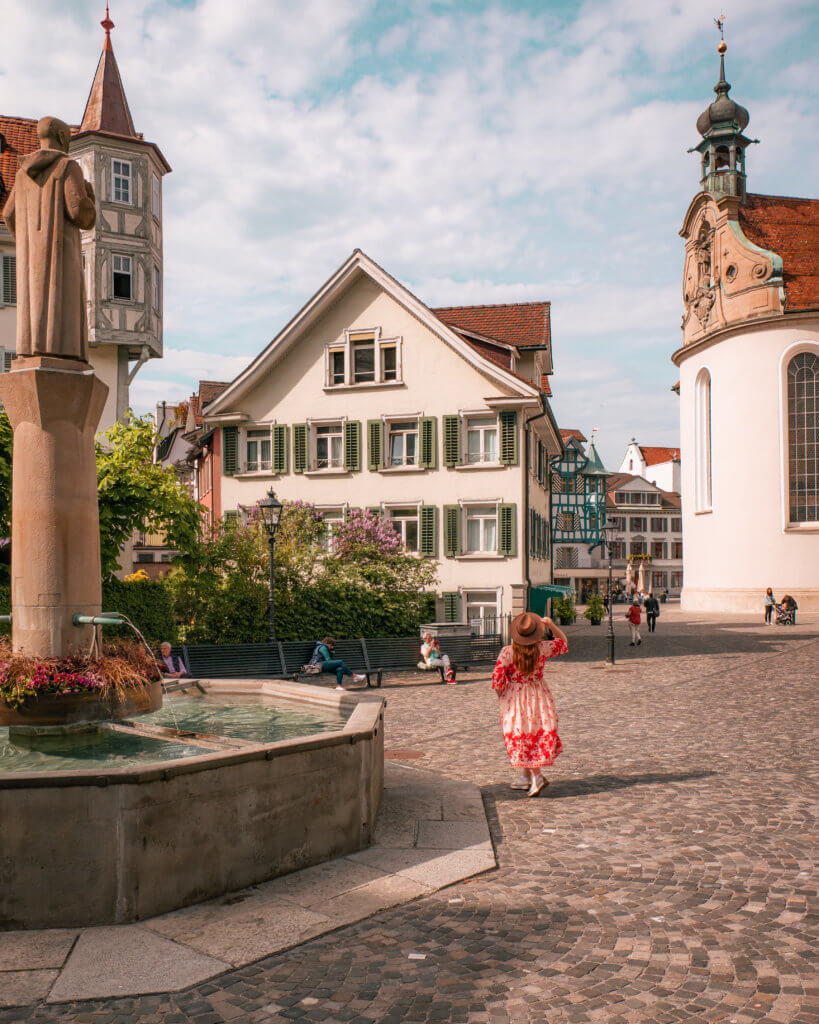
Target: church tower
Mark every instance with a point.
(749, 380)
(122, 254)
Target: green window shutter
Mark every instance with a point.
(300, 448)
(428, 429)
(452, 440)
(509, 437)
(375, 445)
(507, 523)
(452, 530)
(230, 450)
(280, 447)
(352, 446)
(428, 541)
(451, 603)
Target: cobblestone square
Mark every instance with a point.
(666, 875)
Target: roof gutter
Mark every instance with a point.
(544, 411)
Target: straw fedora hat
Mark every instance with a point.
(528, 629)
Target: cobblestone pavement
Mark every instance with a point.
(667, 875)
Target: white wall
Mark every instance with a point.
(436, 381)
(743, 545)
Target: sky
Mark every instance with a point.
(479, 151)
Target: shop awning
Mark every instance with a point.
(538, 596)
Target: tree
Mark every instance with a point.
(137, 494)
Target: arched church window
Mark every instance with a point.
(803, 437)
(702, 442)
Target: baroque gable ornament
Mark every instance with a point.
(700, 282)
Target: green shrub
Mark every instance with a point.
(595, 609)
(563, 608)
(147, 603)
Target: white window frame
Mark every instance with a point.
(466, 507)
(338, 517)
(702, 442)
(157, 289)
(469, 423)
(257, 429)
(353, 337)
(122, 256)
(122, 176)
(388, 434)
(156, 195)
(392, 508)
(796, 349)
(314, 438)
(464, 593)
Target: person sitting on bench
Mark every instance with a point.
(323, 657)
(170, 665)
(431, 657)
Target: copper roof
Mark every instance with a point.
(107, 108)
(790, 228)
(654, 455)
(522, 324)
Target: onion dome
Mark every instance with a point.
(723, 111)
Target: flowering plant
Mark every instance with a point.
(120, 666)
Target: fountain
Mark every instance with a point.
(103, 819)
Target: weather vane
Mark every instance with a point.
(720, 23)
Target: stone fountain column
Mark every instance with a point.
(54, 405)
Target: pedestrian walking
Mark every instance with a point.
(323, 658)
(634, 617)
(652, 610)
(770, 603)
(527, 708)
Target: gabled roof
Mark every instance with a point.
(654, 455)
(522, 324)
(670, 500)
(789, 227)
(356, 265)
(576, 434)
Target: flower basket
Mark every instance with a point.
(71, 708)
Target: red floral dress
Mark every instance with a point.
(527, 708)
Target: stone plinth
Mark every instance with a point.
(54, 406)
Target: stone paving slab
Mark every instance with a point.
(190, 945)
(116, 961)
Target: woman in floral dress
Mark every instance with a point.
(527, 709)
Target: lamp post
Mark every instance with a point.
(608, 532)
(271, 510)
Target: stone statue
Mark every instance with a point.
(49, 204)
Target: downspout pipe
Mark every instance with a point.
(526, 518)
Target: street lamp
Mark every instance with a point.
(608, 532)
(271, 510)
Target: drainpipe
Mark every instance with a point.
(527, 528)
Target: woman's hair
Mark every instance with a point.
(524, 656)
(769, 591)
(328, 641)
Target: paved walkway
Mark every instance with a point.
(668, 876)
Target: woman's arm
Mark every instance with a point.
(557, 632)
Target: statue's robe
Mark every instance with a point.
(48, 206)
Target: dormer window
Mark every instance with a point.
(363, 358)
(121, 181)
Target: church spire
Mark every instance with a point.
(723, 144)
(107, 108)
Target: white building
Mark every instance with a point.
(122, 253)
(749, 381)
(657, 464)
(437, 419)
(648, 534)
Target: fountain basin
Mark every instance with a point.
(53, 709)
(115, 845)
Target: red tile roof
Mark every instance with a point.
(522, 324)
(503, 356)
(19, 138)
(545, 386)
(790, 228)
(566, 434)
(210, 389)
(653, 455)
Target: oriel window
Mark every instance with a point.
(121, 181)
(123, 277)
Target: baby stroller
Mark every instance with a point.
(785, 615)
